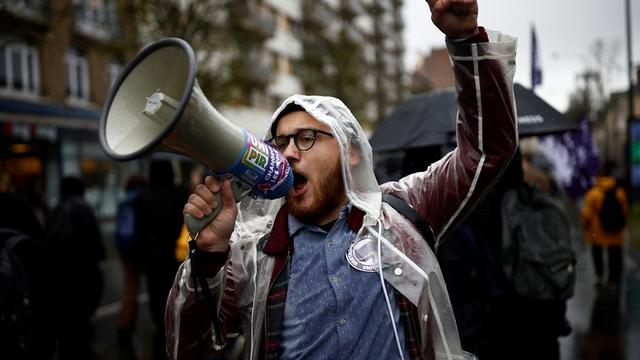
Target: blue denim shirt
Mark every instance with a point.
(332, 310)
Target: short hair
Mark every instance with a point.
(290, 108)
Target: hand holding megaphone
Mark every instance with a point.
(157, 105)
(214, 210)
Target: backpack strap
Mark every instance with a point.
(412, 215)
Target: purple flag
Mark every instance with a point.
(574, 157)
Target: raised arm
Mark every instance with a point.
(483, 64)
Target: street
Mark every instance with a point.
(605, 322)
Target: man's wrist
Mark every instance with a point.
(463, 37)
(479, 35)
(207, 263)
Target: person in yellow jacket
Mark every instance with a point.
(594, 231)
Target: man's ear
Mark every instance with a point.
(354, 157)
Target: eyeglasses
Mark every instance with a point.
(304, 139)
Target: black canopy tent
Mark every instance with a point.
(427, 121)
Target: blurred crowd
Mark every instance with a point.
(510, 297)
(51, 278)
(52, 281)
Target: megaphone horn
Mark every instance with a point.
(157, 105)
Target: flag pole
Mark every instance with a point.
(631, 99)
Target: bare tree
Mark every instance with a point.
(203, 24)
(590, 98)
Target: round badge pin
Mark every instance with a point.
(363, 255)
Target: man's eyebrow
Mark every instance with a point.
(295, 131)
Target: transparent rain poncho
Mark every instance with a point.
(443, 194)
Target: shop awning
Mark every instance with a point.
(45, 114)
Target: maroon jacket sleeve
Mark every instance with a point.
(486, 134)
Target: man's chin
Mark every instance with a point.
(299, 209)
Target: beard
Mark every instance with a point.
(327, 195)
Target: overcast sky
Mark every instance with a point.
(566, 30)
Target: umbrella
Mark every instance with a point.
(429, 119)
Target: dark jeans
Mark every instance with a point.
(614, 260)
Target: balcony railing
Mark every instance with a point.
(97, 20)
(255, 18)
(320, 14)
(351, 8)
(30, 9)
(258, 66)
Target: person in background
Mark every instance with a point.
(597, 213)
(489, 311)
(129, 246)
(26, 331)
(75, 248)
(160, 220)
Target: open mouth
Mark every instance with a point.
(299, 183)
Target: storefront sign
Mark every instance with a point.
(27, 132)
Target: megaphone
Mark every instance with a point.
(157, 105)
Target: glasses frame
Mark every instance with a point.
(295, 135)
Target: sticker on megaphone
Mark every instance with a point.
(263, 168)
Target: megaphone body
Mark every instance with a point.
(157, 105)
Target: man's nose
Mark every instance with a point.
(291, 151)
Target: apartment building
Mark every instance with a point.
(352, 49)
(58, 59)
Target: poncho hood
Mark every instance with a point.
(360, 182)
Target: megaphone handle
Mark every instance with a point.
(195, 225)
(240, 190)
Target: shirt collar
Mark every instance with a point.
(285, 225)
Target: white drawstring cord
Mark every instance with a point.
(254, 251)
(384, 289)
(436, 313)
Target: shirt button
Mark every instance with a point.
(343, 321)
(426, 317)
(397, 271)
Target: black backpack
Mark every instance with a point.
(537, 253)
(611, 213)
(15, 297)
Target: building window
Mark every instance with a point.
(19, 68)
(77, 75)
(96, 18)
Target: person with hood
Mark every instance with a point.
(332, 272)
(593, 213)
